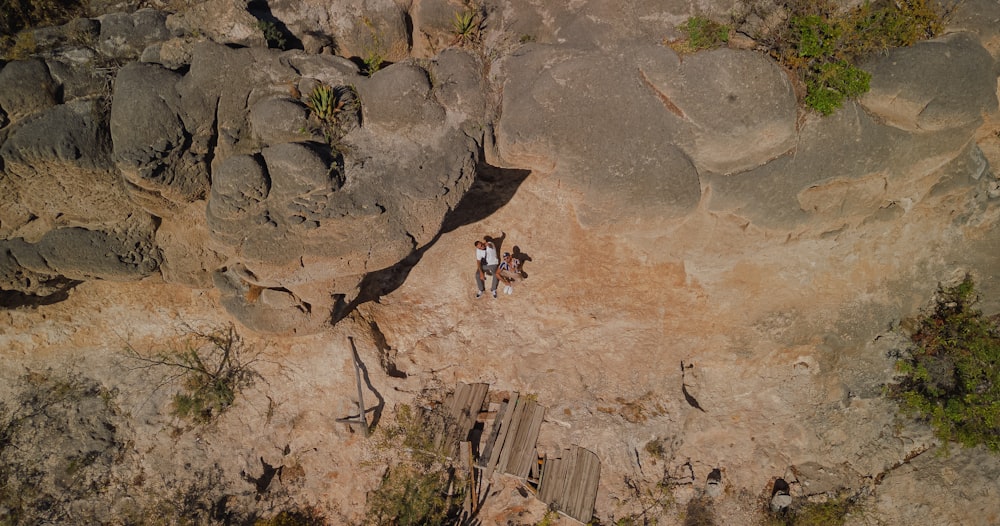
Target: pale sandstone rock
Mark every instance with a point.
(939, 84)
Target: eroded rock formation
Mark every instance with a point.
(680, 208)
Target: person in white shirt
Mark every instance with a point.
(486, 263)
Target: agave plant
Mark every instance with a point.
(333, 108)
(466, 27)
(324, 103)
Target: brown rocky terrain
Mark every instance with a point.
(715, 278)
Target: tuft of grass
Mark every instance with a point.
(294, 517)
(374, 58)
(22, 46)
(373, 61)
(952, 377)
(832, 512)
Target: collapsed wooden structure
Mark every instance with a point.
(566, 483)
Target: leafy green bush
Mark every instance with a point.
(834, 82)
(699, 512)
(823, 43)
(952, 377)
(411, 496)
(703, 33)
(59, 445)
(274, 36)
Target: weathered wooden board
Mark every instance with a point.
(569, 483)
(461, 408)
(523, 448)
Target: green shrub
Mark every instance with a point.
(411, 496)
(274, 36)
(703, 33)
(699, 512)
(951, 378)
(372, 62)
(832, 512)
(835, 81)
(415, 491)
(823, 44)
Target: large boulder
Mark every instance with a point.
(357, 28)
(222, 21)
(739, 106)
(565, 110)
(122, 254)
(26, 87)
(847, 169)
(939, 84)
(58, 163)
(125, 35)
(154, 150)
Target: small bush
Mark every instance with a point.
(274, 36)
(375, 54)
(415, 491)
(213, 366)
(699, 512)
(411, 496)
(952, 377)
(703, 33)
(333, 110)
(835, 82)
(303, 517)
(823, 44)
(832, 512)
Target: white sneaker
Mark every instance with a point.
(508, 290)
(479, 294)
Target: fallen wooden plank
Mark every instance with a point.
(488, 448)
(527, 456)
(510, 436)
(548, 480)
(500, 428)
(465, 453)
(586, 477)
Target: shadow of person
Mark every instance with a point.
(522, 258)
(497, 241)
